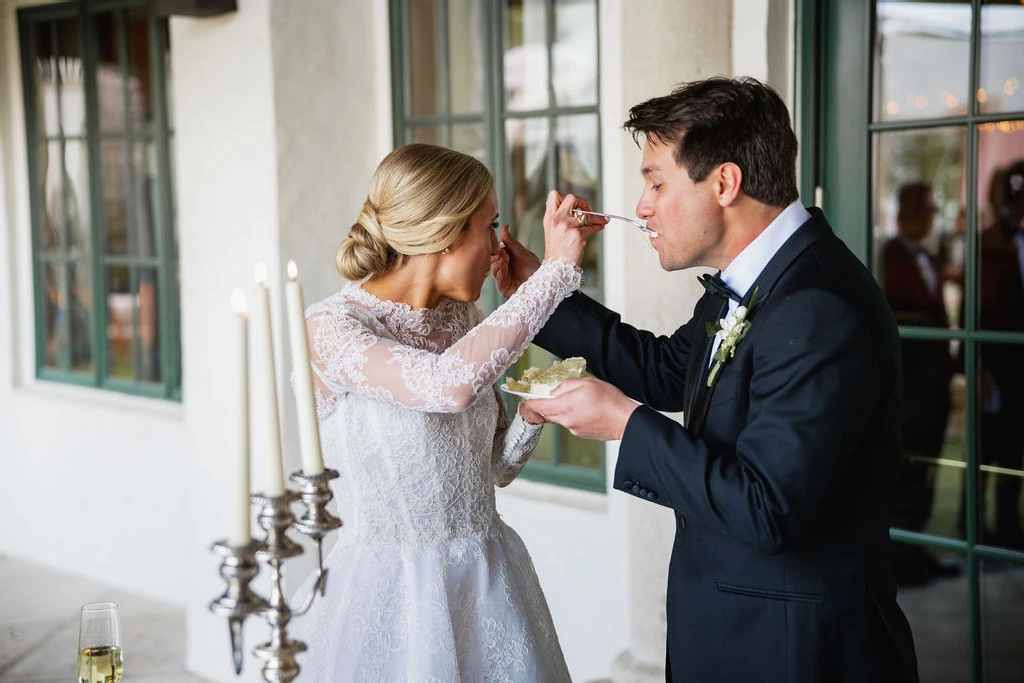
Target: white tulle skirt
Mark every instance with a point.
(467, 610)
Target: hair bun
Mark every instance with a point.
(365, 251)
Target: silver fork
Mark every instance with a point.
(643, 228)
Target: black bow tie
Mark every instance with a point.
(716, 286)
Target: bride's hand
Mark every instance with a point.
(513, 264)
(565, 236)
(530, 415)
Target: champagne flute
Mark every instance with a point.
(99, 644)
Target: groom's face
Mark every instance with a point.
(686, 215)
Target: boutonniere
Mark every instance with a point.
(730, 330)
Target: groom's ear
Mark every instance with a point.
(727, 181)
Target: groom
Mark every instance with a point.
(782, 478)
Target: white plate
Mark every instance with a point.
(504, 387)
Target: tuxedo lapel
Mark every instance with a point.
(702, 392)
(696, 375)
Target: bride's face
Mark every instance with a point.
(468, 261)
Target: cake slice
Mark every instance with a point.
(543, 382)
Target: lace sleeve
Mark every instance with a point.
(348, 356)
(513, 443)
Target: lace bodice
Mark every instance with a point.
(408, 410)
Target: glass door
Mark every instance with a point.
(913, 138)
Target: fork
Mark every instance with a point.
(578, 213)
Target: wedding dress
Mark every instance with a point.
(426, 584)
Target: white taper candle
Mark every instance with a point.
(305, 399)
(238, 489)
(266, 445)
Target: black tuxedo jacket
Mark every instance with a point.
(781, 482)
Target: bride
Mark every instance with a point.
(427, 583)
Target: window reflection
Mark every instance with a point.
(423, 77)
(574, 53)
(526, 56)
(1000, 392)
(1001, 67)
(922, 59)
(919, 223)
(465, 56)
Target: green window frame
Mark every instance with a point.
(837, 128)
(423, 111)
(104, 252)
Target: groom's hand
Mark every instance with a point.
(588, 407)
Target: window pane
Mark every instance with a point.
(1001, 217)
(917, 223)
(50, 169)
(71, 76)
(527, 141)
(140, 78)
(526, 56)
(938, 616)
(1002, 620)
(576, 159)
(1002, 57)
(120, 326)
(581, 452)
(45, 61)
(113, 155)
(57, 323)
(921, 59)
(465, 56)
(81, 317)
(143, 197)
(424, 79)
(545, 450)
(574, 53)
(577, 163)
(148, 341)
(76, 196)
(109, 83)
(1000, 392)
(468, 138)
(929, 494)
(428, 134)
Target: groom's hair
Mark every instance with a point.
(719, 120)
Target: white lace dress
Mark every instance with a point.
(426, 583)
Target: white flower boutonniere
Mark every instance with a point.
(730, 330)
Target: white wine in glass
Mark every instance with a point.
(99, 644)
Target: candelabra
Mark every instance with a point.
(239, 567)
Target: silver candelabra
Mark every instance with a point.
(239, 567)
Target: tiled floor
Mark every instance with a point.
(39, 628)
(938, 616)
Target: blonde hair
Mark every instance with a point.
(421, 197)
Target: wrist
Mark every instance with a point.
(625, 412)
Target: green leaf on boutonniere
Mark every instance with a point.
(730, 329)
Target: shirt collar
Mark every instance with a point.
(748, 264)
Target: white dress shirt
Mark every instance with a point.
(748, 264)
